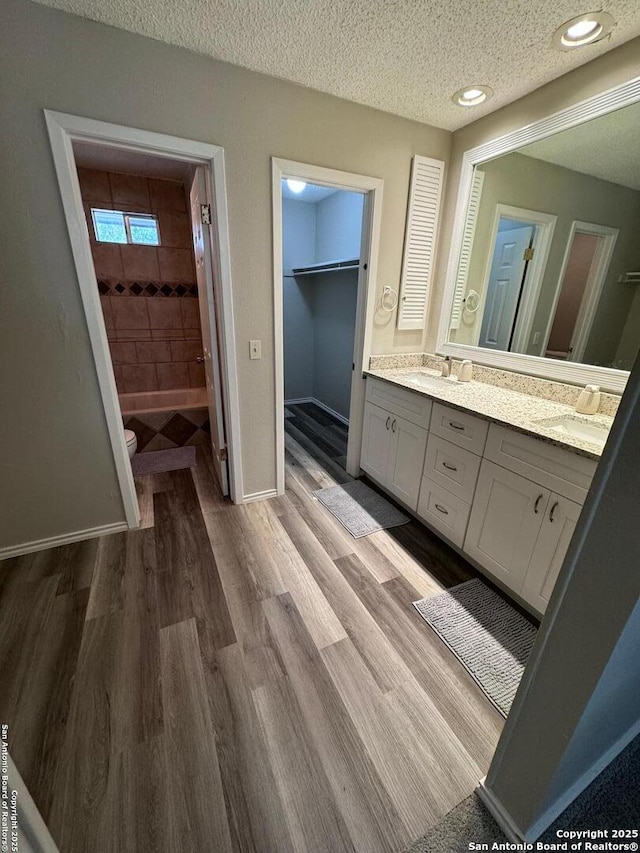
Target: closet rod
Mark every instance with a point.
(330, 266)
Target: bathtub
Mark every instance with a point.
(165, 419)
(146, 402)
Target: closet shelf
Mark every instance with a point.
(328, 266)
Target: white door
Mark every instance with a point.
(504, 287)
(376, 438)
(202, 245)
(549, 553)
(406, 460)
(505, 521)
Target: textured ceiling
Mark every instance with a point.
(403, 56)
(607, 147)
(311, 193)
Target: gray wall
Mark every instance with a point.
(334, 316)
(536, 185)
(339, 226)
(60, 476)
(612, 711)
(298, 249)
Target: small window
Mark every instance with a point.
(115, 226)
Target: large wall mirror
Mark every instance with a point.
(546, 276)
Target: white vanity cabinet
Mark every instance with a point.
(521, 526)
(550, 549)
(394, 439)
(508, 500)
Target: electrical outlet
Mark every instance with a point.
(255, 349)
(536, 338)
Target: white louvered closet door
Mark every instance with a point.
(420, 241)
(467, 247)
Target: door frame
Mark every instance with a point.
(367, 276)
(63, 130)
(593, 288)
(545, 224)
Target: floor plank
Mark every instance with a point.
(239, 678)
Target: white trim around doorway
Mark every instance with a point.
(63, 131)
(367, 277)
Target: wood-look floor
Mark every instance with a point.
(239, 678)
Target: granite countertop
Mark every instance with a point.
(501, 405)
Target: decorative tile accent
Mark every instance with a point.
(143, 287)
(164, 430)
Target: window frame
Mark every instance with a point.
(126, 216)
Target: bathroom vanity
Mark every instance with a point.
(500, 475)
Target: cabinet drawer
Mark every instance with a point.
(410, 405)
(462, 429)
(553, 467)
(451, 467)
(444, 511)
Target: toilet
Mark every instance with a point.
(132, 441)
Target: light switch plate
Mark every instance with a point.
(255, 349)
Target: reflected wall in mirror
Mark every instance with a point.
(550, 257)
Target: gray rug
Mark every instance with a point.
(359, 509)
(156, 461)
(488, 636)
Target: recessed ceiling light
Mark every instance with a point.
(585, 29)
(471, 96)
(296, 186)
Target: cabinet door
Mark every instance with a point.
(406, 458)
(548, 555)
(376, 438)
(506, 518)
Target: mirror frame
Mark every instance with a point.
(609, 379)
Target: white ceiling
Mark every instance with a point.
(403, 56)
(607, 147)
(94, 156)
(311, 193)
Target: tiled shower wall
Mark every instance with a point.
(148, 293)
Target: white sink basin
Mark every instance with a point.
(582, 430)
(423, 380)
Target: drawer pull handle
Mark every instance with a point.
(456, 426)
(449, 467)
(537, 503)
(388, 422)
(393, 425)
(553, 510)
(441, 509)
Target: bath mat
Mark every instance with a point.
(359, 509)
(156, 461)
(490, 638)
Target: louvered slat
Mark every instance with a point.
(467, 248)
(420, 241)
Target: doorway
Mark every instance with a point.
(338, 313)
(584, 272)
(202, 169)
(321, 241)
(514, 270)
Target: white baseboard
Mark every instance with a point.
(499, 813)
(62, 539)
(320, 405)
(259, 496)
